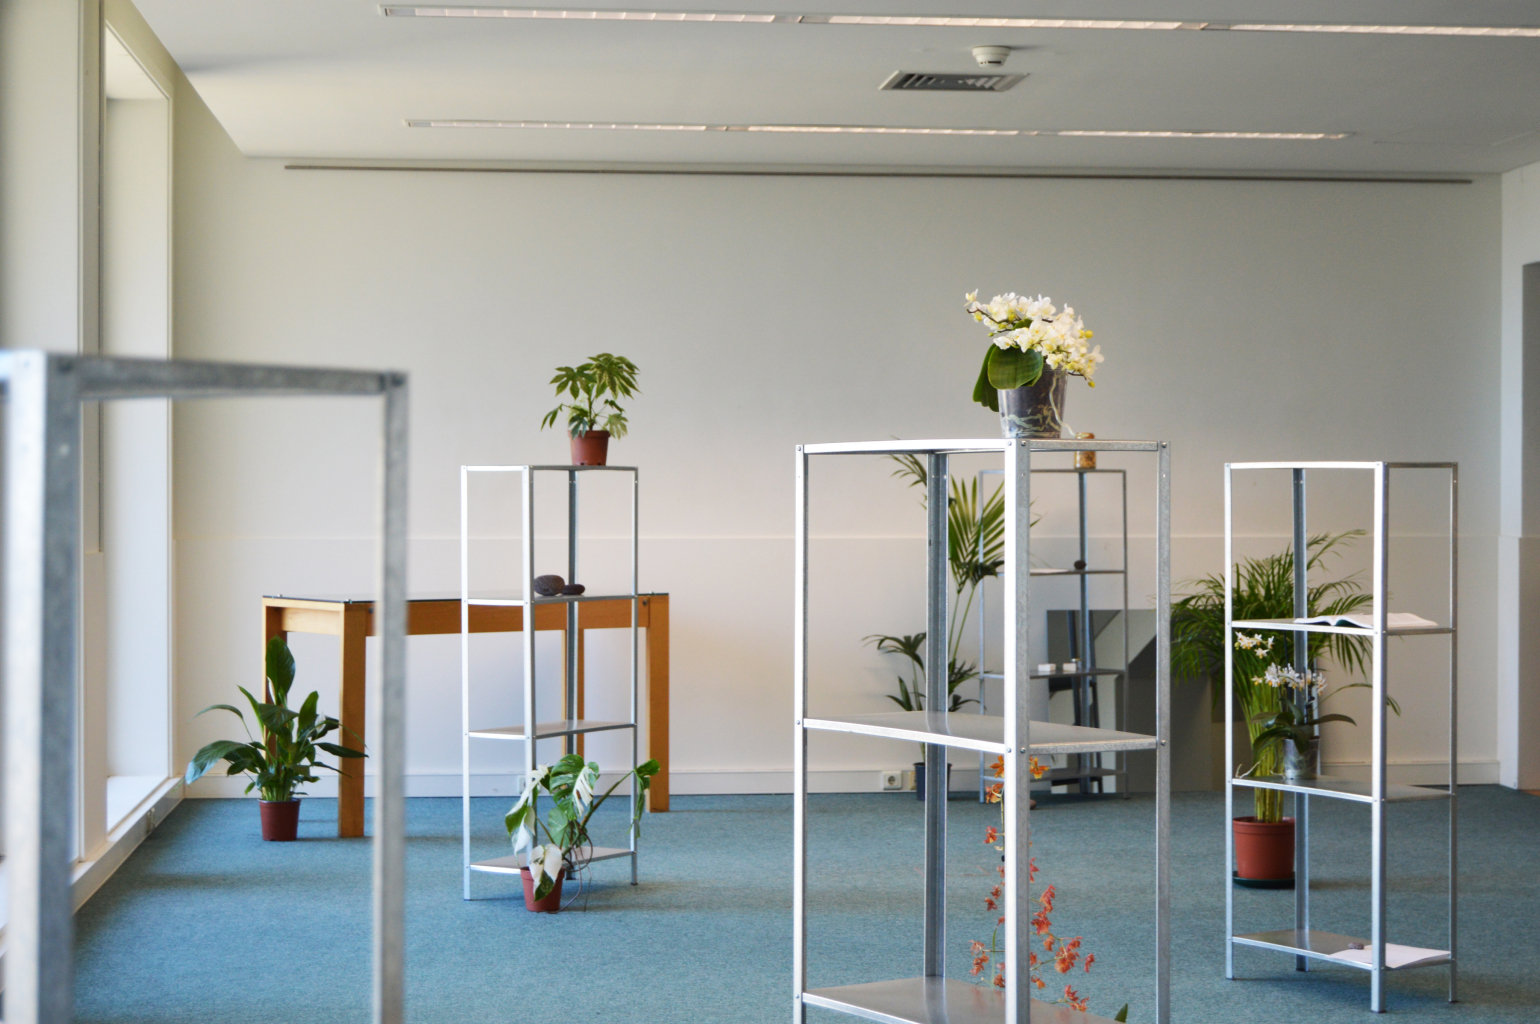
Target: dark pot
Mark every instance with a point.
(1036, 410)
(551, 903)
(590, 449)
(919, 779)
(1264, 851)
(280, 820)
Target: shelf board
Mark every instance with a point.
(1060, 675)
(519, 602)
(512, 865)
(1290, 626)
(981, 732)
(1077, 572)
(546, 730)
(1343, 789)
(1320, 945)
(935, 1001)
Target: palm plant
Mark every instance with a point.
(1264, 589)
(595, 385)
(975, 551)
(285, 756)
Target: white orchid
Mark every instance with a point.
(1036, 325)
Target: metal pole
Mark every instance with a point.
(799, 758)
(527, 546)
(636, 487)
(936, 700)
(465, 678)
(569, 654)
(983, 686)
(1377, 787)
(1302, 665)
(1083, 682)
(1163, 736)
(1454, 727)
(1229, 688)
(41, 553)
(390, 752)
(1017, 595)
(1125, 684)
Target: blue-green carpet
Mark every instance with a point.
(206, 923)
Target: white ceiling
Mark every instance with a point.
(334, 79)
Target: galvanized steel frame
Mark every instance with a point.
(1379, 574)
(1017, 455)
(528, 603)
(44, 392)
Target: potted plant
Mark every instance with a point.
(285, 756)
(1264, 589)
(911, 693)
(594, 416)
(1033, 349)
(570, 783)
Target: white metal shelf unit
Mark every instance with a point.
(933, 997)
(1085, 692)
(1301, 940)
(568, 728)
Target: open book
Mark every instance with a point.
(1395, 956)
(1393, 620)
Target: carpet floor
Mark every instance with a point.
(205, 922)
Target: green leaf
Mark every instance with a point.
(280, 669)
(1011, 368)
(1122, 1015)
(983, 392)
(336, 751)
(219, 750)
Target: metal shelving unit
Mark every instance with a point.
(1302, 941)
(933, 998)
(1087, 769)
(566, 728)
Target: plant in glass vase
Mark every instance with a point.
(1033, 347)
(595, 416)
(1264, 589)
(1064, 955)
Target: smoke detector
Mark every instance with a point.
(991, 56)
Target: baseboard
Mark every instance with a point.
(89, 875)
(688, 782)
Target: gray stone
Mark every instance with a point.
(549, 586)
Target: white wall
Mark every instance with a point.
(1240, 320)
(1519, 539)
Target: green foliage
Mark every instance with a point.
(595, 385)
(911, 692)
(570, 783)
(1004, 369)
(1122, 1015)
(1291, 723)
(291, 741)
(1264, 589)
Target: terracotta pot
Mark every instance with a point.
(1263, 850)
(551, 902)
(590, 449)
(280, 821)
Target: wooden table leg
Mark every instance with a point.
(350, 780)
(657, 698)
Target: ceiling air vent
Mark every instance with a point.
(924, 81)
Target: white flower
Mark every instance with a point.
(1016, 321)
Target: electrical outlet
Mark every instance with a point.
(892, 780)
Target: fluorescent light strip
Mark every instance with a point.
(1521, 32)
(951, 21)
(872, 129)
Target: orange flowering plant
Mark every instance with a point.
(1064, 955)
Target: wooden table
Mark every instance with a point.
(353, 620)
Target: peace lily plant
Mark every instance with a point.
(1028, 337)
(570, 783)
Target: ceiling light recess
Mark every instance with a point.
(876, 129)
(955, 21)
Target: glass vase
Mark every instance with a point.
(1300, 763)
(1036, 410)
